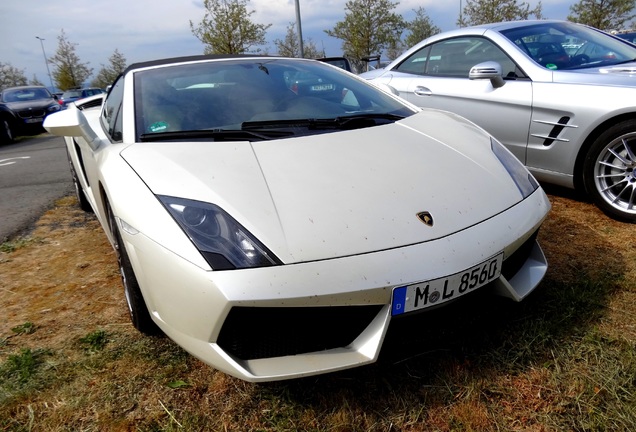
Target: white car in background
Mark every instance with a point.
(274, 226)
(560, 96)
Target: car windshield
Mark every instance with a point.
(256, 98)
(71, 94)
(569, 46)
(25, 94)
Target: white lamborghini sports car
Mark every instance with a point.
(272, 216)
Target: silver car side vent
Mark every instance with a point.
(556, 130)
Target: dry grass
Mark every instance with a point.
(563, 360)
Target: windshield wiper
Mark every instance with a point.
(214, 134)
(356, 121)
(275, 129)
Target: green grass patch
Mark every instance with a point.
(26, 328)
(24, 373)
(13, 245)
(21, 367)
(95, 341)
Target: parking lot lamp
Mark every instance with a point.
(46, 62)
(300, 30)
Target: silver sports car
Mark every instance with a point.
(273, 216)
(560, 96)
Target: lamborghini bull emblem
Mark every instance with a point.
(426, 218)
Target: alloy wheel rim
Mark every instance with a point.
(120, 261)
(615, 173)
(126, 290)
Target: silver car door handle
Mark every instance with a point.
(422, 91)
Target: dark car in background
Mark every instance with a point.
(628, 36)
(23, 109)
(340, 62)
(77, 94)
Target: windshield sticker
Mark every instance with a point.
(158, 127)
(551, 66)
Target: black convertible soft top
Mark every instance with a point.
(165, 61)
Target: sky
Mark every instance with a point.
(151, 29)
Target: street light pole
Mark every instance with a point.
(300, 30)
(46, 62)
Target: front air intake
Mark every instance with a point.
(252, 332)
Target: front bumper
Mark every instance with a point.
(290, 321)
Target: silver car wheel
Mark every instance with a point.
(615, 173)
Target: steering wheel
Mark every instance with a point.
(580, 59)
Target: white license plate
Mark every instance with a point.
(322, 87)
(33, 120)
(430, 293)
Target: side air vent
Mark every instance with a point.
(555, 133)
(95, 103)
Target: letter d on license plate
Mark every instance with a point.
(433, 292)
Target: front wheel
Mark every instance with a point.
(609, 171)
(6, 132)
(137, 308)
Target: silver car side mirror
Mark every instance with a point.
(488, 70)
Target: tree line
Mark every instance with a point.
(369, 28)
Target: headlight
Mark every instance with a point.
(520, 175)
(222, 241)
(53, 108)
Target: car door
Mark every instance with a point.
(436, 76)
(91, 153)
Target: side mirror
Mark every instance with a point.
(488, 70)
(70, 122)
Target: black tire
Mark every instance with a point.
(137, 309)
(79, 192)
(6, 132)
(609, 171)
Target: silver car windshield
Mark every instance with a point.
(71, 94)
(225, 96)
(559, 46)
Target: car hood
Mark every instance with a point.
(344, 193)
(372, 73)
(618, 75)
(36, 104)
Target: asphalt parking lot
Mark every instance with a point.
(33, 174)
